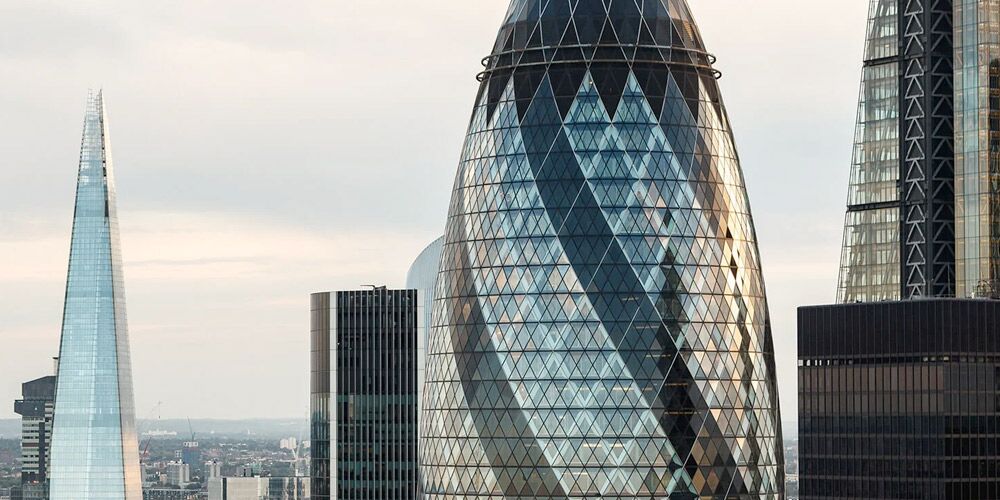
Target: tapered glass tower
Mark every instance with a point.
(94, 444)
(600, 324)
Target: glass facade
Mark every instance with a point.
(898, 400)
(977, 147)
(94, 443)
(364, 395)
(870, 261)
(600, 324)
(422, 277)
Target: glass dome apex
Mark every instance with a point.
(611, 39)
(531, 24)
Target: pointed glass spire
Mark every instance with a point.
(94, 444)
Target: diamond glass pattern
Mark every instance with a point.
(600, 325)
(95, 451)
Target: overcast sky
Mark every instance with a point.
(266, 150)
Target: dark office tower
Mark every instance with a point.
(364, 395)
(35, 408)
(94, 444)
(600, 325)
(899, 400)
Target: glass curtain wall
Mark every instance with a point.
(870, 265)
(94, 443)
(977, 146)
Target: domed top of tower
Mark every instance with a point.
(546, 30)
(563, 40)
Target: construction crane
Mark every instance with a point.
(145, 449)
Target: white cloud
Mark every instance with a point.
(210, 296)
(264, 152)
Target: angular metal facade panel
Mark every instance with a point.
(600, 324)
(870, 260)
(94, 443)
(927, 149)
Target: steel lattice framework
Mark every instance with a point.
(927, 182)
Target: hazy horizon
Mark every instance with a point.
(263, 153)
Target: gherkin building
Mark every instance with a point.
(600, 324)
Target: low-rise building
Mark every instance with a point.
(178, 474)
(258, 488)
(170, 494)
(213, 469)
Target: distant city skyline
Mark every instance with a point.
(242, 145)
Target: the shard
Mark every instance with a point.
(94, 444)
(600, 323)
